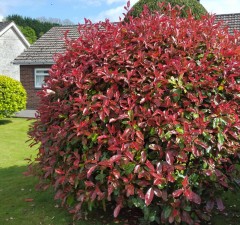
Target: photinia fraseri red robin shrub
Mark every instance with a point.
(143, 114)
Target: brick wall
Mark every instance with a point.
(27, 79)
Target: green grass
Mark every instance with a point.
(16, 189)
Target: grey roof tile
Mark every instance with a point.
(51, 43)
(231, 20)
(4, 24)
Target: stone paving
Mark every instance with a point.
(26, 114)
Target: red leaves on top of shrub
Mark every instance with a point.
(143, 113)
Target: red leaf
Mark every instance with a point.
(89, 184)
(115, 158)
(150, 165)
(116, 173)
(28, 199)
(155, 147)
(140, 135)
(157, 192)
(117, 210)
(195, 151)
(140, 194)
(113, 148)
(169, 158)
(76, 163)
(59, 171)
(220, 205)
(188, 194)
(210, 205)
(201, 143)
(177, 193)
(137, 169)
(143, 157)
(196, 198)
(129, 155)
(191, 196)
(187, 218)
(130, 190)
(128, 4)
(185, 182)
(149, 196)
(89, 172)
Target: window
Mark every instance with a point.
(40, 75)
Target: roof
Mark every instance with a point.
(232, 20)
(43, 50)
(5, 26)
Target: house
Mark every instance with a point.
(37, 60)
(12, 44)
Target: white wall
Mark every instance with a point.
(10, 47)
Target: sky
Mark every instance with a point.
(95, 10)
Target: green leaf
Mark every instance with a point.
(146, 212)
(180, 130)
(168, 135)
(93, 137)
(177, 94)
(187, 208)
(207, 136)
(70, 200)
(138, 202)
(152, 131)
(129, 168)
(130, 114)
(167, 211)
(152, 215)
(195, 115)
(90, 205)
(100, 177)
(220, 138)
(215, 122)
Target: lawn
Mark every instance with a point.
(21, 204)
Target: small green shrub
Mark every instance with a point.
(143, 114)
(12, 96)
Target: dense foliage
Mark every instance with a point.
(196, 8)
(12, 96)
(29, 33)
(143, 114)
(39, 27)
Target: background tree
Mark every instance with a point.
(12, 96)
(38, 26)
(55, 20)
(29, 33)
(196, 8)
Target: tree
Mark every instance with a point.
(196, 8)
(12, 96)
(38, 26)
(29, 33)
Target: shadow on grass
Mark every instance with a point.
(5, 121)
(21, 204)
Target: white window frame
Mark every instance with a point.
(40, 72)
